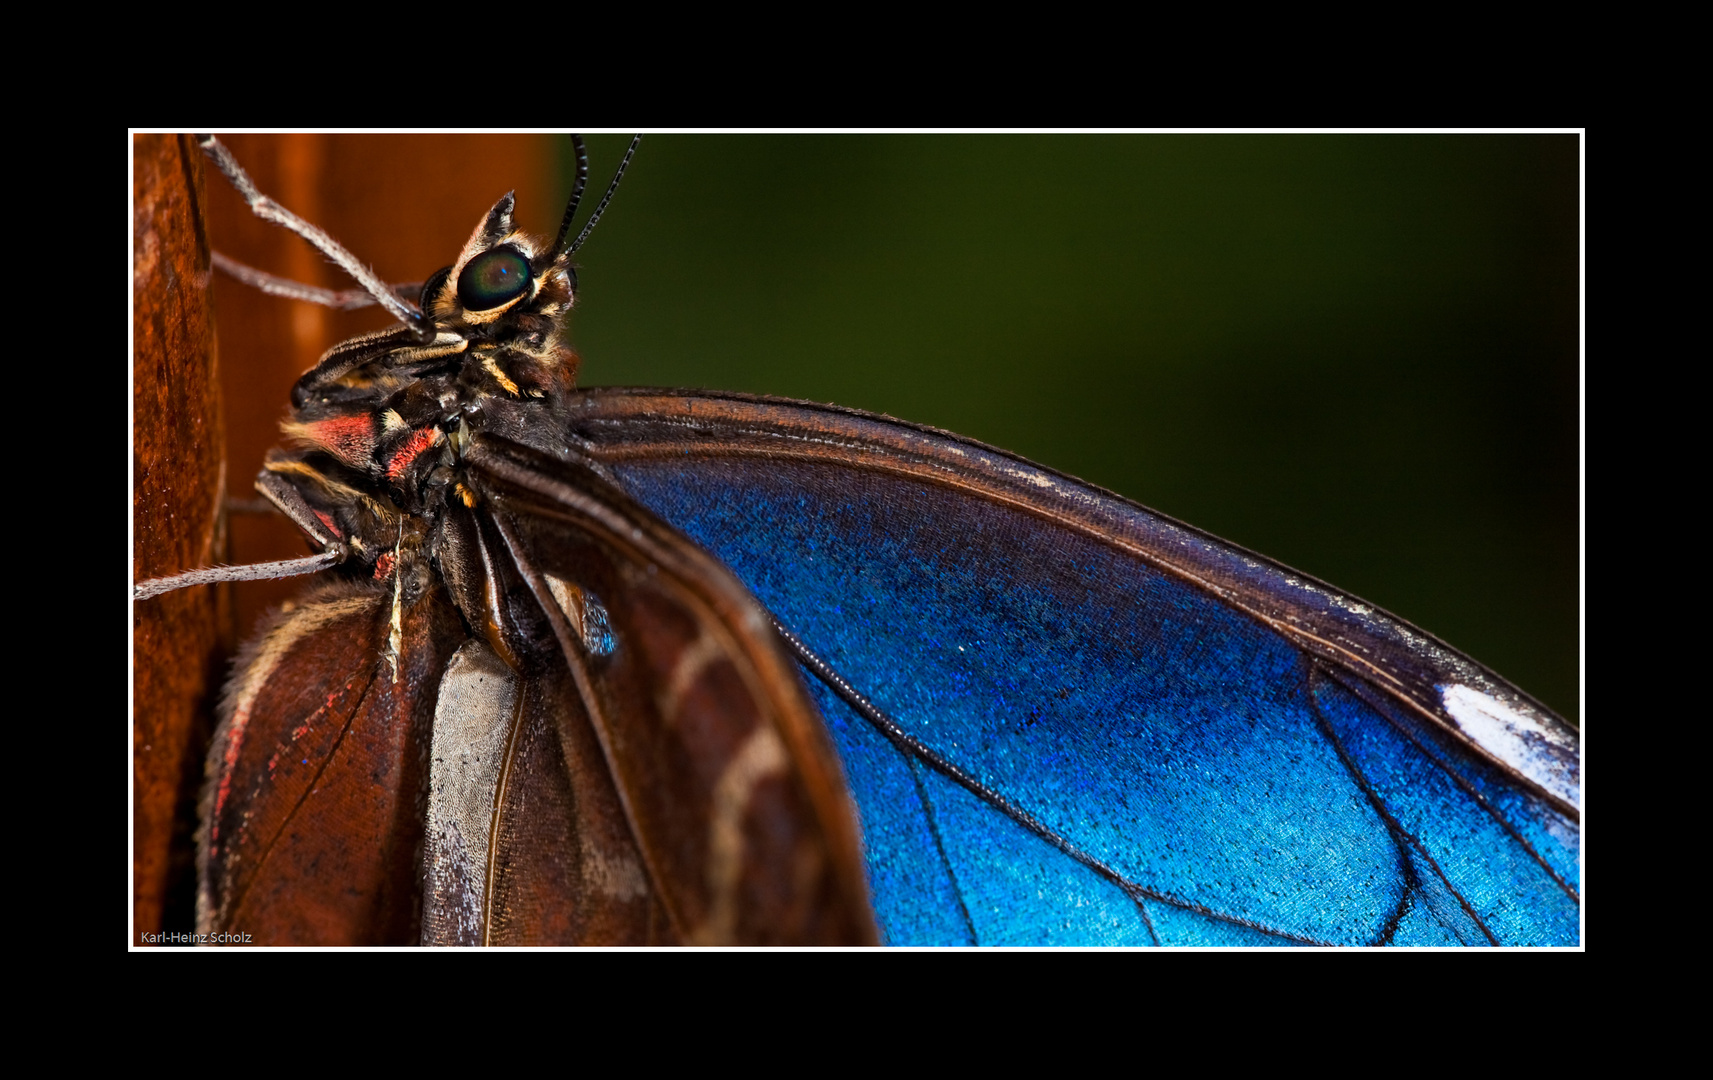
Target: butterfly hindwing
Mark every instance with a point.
(312, 817)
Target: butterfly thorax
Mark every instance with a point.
(378, 427)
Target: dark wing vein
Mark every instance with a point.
(919, 750)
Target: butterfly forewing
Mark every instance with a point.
(731, 789)
(527, 838)
(1151, 735)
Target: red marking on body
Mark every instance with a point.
(327, 519)
(413, 448)
(351, 439)
(384, 565)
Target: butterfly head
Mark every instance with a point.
(509, 286)
(504, 283)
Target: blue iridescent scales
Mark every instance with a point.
(1158, 738)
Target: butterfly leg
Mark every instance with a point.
(291, 504)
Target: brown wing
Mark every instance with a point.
(527, 841)
(312, 818)
(699, 771)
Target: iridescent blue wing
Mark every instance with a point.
(1115, 729)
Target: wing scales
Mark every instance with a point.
(1458, 844)
(639, 425)
(1055, 674)
(527, 838)
(1108, 680)
(475, 720)
(567, 867)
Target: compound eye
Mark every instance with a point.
(492, 279)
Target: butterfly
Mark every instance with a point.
(732, 557)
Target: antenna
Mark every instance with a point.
(589, 226)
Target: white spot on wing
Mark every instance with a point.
(1541, 752)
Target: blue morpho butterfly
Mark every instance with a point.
(1064, 719)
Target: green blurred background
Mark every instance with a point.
(1355, 354)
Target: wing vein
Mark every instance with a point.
(913, 746)
(940, 846)
(1362, 691)
(308, 790)
(1400, 835)
(491, 871)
